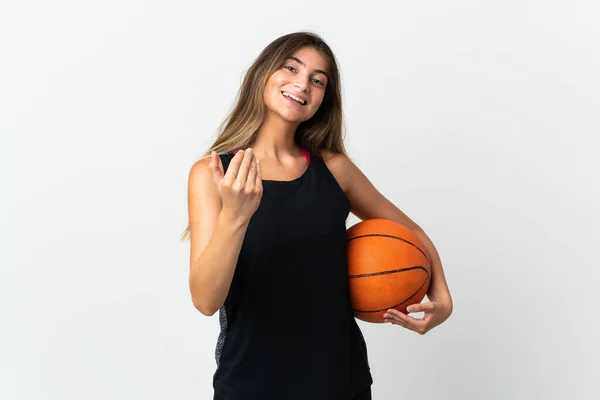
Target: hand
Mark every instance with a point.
(241, 187)
(435, 313)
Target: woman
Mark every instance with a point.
(267, 229)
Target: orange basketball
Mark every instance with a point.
(387, 268)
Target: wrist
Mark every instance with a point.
(232, 219)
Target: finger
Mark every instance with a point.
(251, 181)
(420, 307)
(405, 321)
(418, 327)
(234, 166)
(394, 319)
(396, 322)
(393, 313)
(245, 166)
(214, 166)
(258, 174)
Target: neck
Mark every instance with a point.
(275, 138)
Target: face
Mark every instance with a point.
(295, 91)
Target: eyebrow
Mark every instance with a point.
(320, 71)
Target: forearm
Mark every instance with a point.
(438, 288)
(211, 274)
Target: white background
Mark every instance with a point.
(478, 119)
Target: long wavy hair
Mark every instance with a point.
(324, 131)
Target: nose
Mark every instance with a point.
(302, 83)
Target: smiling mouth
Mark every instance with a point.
(293, 99)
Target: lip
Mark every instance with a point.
(294, 102)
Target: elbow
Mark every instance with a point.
(208, 312)
(448, 308)
(203, 299)
(200, 301)
(204, 308)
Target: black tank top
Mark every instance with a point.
(287, 326)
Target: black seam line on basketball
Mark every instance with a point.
(391, 237)
(397, 305)
(393, 271)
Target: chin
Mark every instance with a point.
(296, 119)
(292, 117)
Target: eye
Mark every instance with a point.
(292, 69)
(318, 82)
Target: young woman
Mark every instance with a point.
(267, 213)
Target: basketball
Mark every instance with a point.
(387, 268)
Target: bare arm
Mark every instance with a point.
(220, 207)
(368, 203)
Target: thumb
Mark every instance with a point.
(214, 166)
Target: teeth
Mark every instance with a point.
(299, 100)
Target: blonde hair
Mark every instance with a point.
(324, 131)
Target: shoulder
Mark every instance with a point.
(341, 167)
(200, 168)
(334, 160)
(201, 175)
